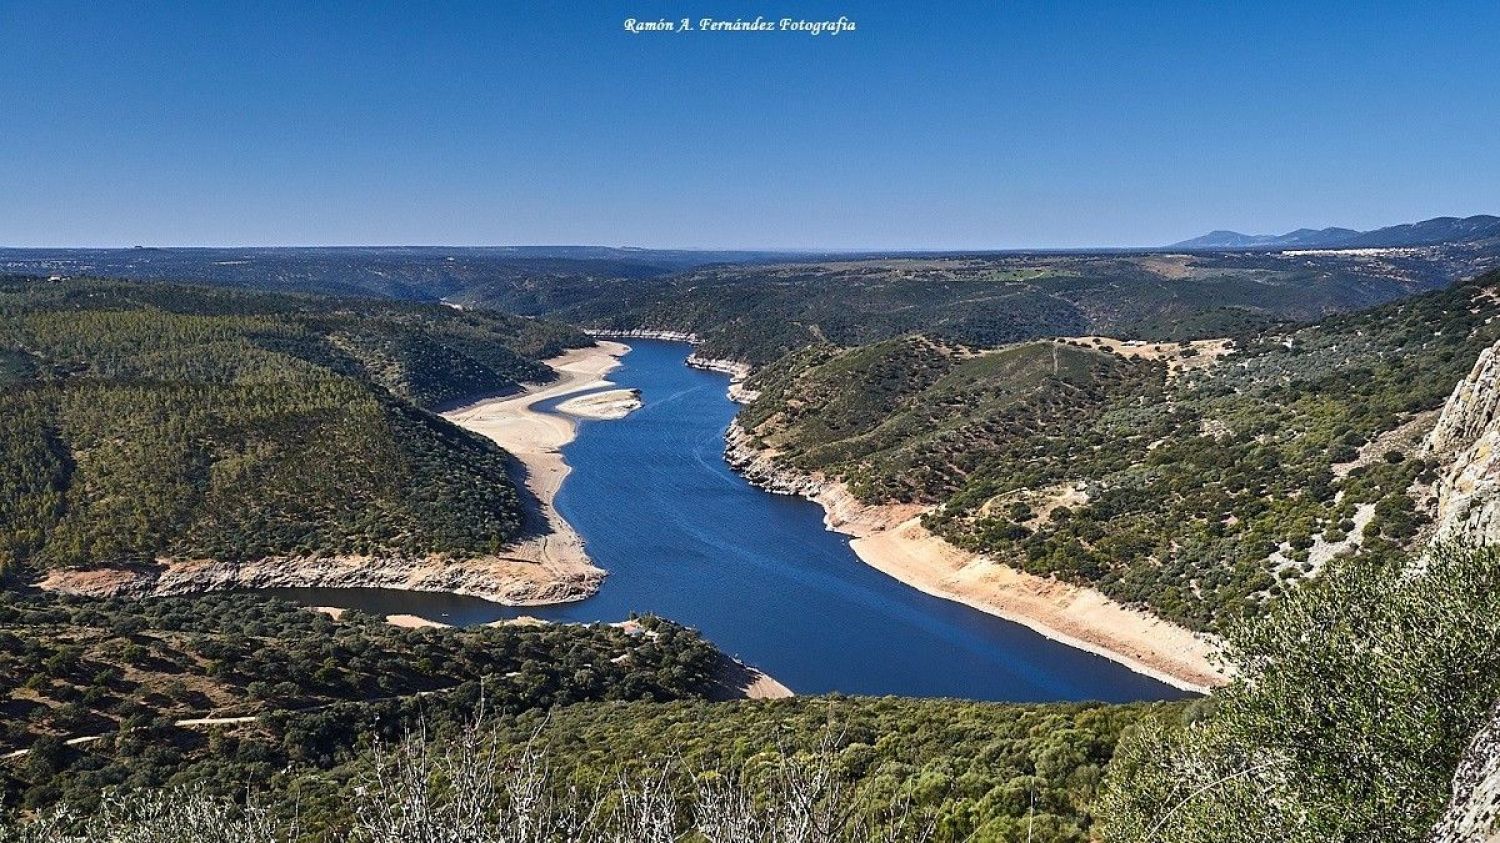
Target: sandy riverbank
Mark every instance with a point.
(893, 540)
(535, 439)
(1076, 616)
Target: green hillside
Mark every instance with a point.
(1358, 696)
(758, 312)
(1202, 495)
(143, 421)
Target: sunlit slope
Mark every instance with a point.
(1203, 491)
(146, 421)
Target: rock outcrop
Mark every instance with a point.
(1467, 440)
(1473, 816)
(501, 580)
(642, 334)
(736, 370)
(842, 511)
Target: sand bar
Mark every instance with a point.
(609, 405)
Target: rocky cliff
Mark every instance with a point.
(1473, 814)
(641, 334)
(1466, 440)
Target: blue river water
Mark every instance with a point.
(684, 537)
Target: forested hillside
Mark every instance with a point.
(149, 421)
(1202, 491)
(756, 313)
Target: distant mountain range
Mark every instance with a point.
(1426, 233)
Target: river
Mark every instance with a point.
(684, 537)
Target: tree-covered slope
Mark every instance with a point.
(1203, 494)
(912, 419)
(756, 313)
(1356, 698)
(147, 421)
(289, 686)
(600, 705)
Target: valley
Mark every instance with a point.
(1192, 507)
(895, 423)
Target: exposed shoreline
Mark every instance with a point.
(891, 539)
(736, 370)
(501, 579)
(534, 440)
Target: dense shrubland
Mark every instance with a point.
(1357, 696)
(128, 670)
(148, 421)
(794, 770)
(1203, 496)
(468, 792)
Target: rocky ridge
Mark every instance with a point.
(1473, 813)
(1466, 439)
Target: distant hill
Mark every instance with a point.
(1426, 233)
(1308, 237)
(757, 312)
(419, 273)
(756, 306)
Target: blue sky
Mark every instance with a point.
(952, 125)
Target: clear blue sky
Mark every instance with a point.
(935, 125)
